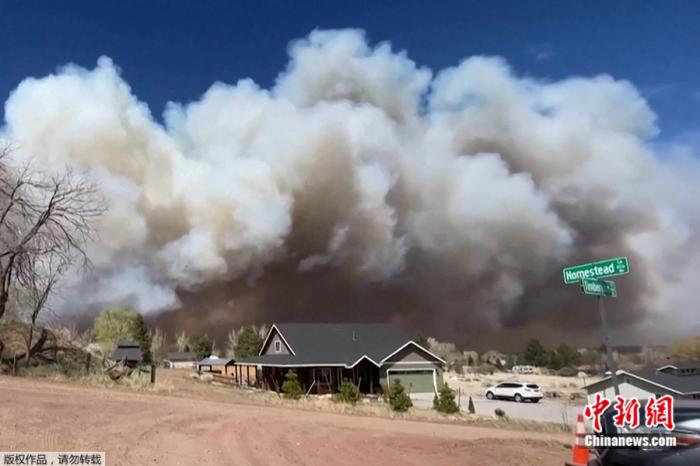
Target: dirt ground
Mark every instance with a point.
(146, 428)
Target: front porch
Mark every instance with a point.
(317, 380)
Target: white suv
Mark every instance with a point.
(518, 391)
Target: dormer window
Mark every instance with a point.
(278, 346)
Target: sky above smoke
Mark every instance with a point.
(362, 187)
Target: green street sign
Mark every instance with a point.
(600, 269)
(599, 287)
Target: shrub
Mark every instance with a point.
(499, 413)
(398, 398)
(291, 387)
(349, 393)
(567, 372)
(446, 400)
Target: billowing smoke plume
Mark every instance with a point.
(361, 187)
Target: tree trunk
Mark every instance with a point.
(3, 302)
(29, 345)
(39, 345)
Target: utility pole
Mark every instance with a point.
(606, 341)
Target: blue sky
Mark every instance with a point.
(174, 50)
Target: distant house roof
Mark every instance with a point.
(681, 365)
(127, 350)
(324, 344)
(681, 384)
(177, 356)
(215, 361)
(128, 344)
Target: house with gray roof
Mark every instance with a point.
(217, 365)
(181, 360)
(129, 352)
(680, 380)
(370, 355)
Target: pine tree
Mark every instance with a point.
(249, 343)
(291, 387)
(398, 398)
(446, 400)
(202, 346)
(348, 393)
(144, 338)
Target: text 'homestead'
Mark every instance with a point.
(606, 268)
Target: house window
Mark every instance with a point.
(278, 346)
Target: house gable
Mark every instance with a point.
(275, 343)
(412, 352)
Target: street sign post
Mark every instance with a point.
(599, 287)
(589, 275)
(606, 341)
(600, 269)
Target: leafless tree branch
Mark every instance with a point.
(46, 222)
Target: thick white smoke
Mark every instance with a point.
(359, 160)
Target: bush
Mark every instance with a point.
(499, 413)
(349, 393)
(446, 401)
(398, 398)
(291, 387)
(567, 372)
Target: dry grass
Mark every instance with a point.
(97, 379)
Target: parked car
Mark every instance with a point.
(686, 416)
(513, 390)
(523, 369)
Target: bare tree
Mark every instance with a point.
(262, 330)
(41, 280)
(231, 342)
(182, 341)
(158, 342)
(46, 220)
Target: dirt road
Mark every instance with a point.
(139, 428)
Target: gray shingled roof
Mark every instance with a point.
(181, 356)
(684, 365)
(679, 383)
(334, 344)
(128, 353)
(215, 361)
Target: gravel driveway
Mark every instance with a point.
(546, 410)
